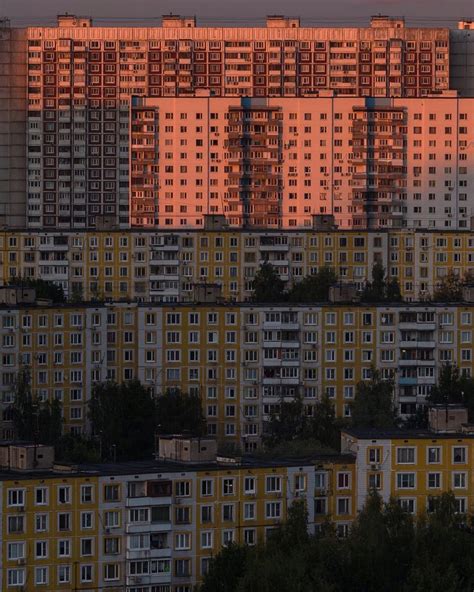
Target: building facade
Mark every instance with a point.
(413, 467)
(79, 162)
(166, 266)
(278, 162)
(153, 526)
(241, 360)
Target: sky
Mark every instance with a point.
(216, 12)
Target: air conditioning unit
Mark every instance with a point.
(21, 562)
(375, 467)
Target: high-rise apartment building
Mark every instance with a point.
(167, 266)
(241, 360)
(81, 80)
(278, 162)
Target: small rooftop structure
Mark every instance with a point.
(207, 293)
(71, 20)
(17, 295)
(380, 21)
(343, 292)
(190, 449)
(169, 21)
(26, 456)
(444, 419)
(277, 21)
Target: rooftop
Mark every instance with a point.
(159, 469)
(404, 434)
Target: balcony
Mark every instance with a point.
(408, 381)
(147, 527)
(417, 344)
(134, 555)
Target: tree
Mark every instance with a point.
(44, 288)
(315, 287)
(40, 422)
(449, 289)
(380, 289)
(123, 419)
(373, 403)
(179, 412)
(288, 423)
(324, 426)
(386, 549)
(226, 569)
(267, 285)
(453, 388)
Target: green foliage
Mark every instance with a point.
(267, 285)
(373, 403)
(77, 449)
(288, 423)
(77, 295)
(179, 412)
(450, 288)
(34, 420)
(386, 549)
(314, 288)
(381, 289)
(123, 418)
(44, 289)
(453, 388)
(226, 569)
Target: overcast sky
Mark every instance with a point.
(243, 11)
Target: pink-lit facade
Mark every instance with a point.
(278, 162)
(81, 79)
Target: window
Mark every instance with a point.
(86, 573)
(41, 522)
(405, 480)
(16, 497)
(182, 541)
(64, 574)
(111, 571)
(86, 520)
(41, 549)
(459, 480)
(15, 577)
(249, 485)
(434, 455)
(405, 455)
(434, 480)
(64, 521)
(41, 575)
(64, 548)
(273, 510)
(41, 496)
(228, 486)
(273, 484)
(407, 505)
(375, 480)
(64, 494)
(16, 551)
(112, 493)
(86, 494)
(16, 524)
(112, 519)
(207, 487)
(183, 488)
(343, 506)
(459, 454)
(206, 539)
(343, 480)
